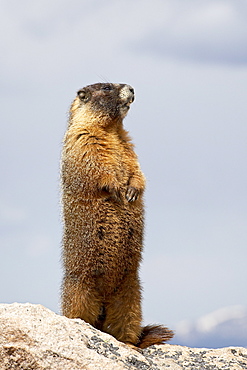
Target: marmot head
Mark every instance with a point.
(102, 102)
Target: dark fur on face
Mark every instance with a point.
(111, 99)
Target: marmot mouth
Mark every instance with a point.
(127, 104)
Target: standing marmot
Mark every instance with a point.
(102, 186)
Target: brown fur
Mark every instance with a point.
(102, 188)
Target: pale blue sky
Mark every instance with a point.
(187, 61)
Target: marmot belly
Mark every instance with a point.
(108, 245)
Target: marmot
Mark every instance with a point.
(102, 198)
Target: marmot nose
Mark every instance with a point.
(131, 89)
(131, 93)
(127, 94)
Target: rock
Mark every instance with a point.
(33, 337)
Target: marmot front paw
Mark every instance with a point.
(114, 193)
(132, 194)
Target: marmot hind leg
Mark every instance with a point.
(123, 312)
(78, 301)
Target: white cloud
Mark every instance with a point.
(223, 327)
(210, 321)
(64, 37)
(189, 124)
(73, 38)
(205, 31)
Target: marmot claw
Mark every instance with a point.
(132, 194)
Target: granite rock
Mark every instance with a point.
(33, 337)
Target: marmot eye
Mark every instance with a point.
(107, 88)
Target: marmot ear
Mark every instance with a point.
(83, 95)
